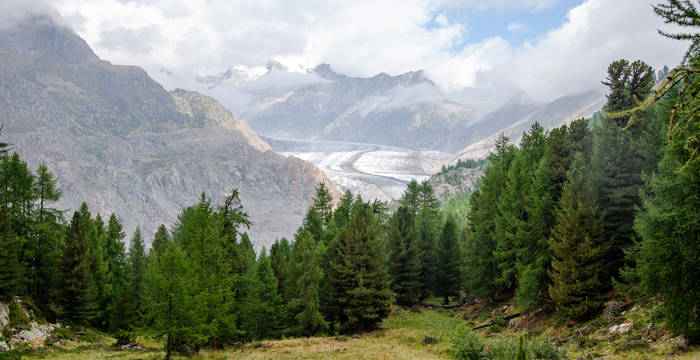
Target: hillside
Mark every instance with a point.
(119, 141)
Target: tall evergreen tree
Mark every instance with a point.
(171, 299)
(136, 271)
(79, 294)
(513, 229)
(426, 229)
(578, 249)
(361, 283)
(305, 306)
(404, 263)
(669, 226)
(161, 238)
(323, 203)
(263, 316)
(448, 265)
(481, 266)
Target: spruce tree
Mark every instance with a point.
(323, 203)
(79, 294)
(360, 282)
(171, 299)
(46, 190)
(513, 230)
(280, 258)
(306, 275)
(263, 316)
(426, 229)
(161, 238)
(669, 227)
(578, 249)
(116, 277)
(481, 266)
(135, 270)
(404, 262)
(448, 261)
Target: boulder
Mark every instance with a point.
(4, 346)
(623, 328)
(4, 316)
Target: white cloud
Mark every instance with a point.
(517, 26)
(177, 41)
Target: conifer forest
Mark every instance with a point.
(598, 211)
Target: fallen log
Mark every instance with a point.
(496, 321)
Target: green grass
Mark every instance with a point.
(400, 336)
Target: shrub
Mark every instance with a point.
(63, 333)
(467, 346)
(17, 315)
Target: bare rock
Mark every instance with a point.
(4, 316)
(623, 328)
(133, 347)
(4, 346)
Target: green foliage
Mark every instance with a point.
(79, 292)
(360, 280)
(669, 225)
(306, 275)
(447, 282)
(18, 317)
(11, 269)
(404, 260)
(481, 265)
(467, 346)
(578, 248)
(524, 347)
(462, 163)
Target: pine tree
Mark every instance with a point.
(280, 257)
(578, 249)
(11, 269)
(263, 316)
(481, 266)
(135, 271)
(411, 198)
(513, 229)
(115, 280)
(669, 227)
(360, 282)
(79, 294)
(404, 263)
(343, 212)
(46, 190)
(171, 302)
(323, 202)
(161, 238)
(306, 274)
(426, 229)
(448, 261)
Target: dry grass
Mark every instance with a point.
(401, 337)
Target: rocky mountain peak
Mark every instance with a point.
(41, 37)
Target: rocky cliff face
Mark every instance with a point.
(118, 141)
(405, 110)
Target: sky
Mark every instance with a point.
(476, 51)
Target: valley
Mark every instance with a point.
(370, 170)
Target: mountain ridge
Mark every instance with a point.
(119, 141)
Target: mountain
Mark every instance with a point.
(119, 141)
(517, 116)
(406, 110)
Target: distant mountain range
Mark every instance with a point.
(120, 142)
(407, 110)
